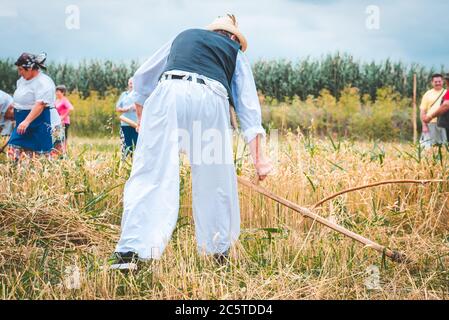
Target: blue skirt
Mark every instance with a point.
(129, 137)
(37, 137)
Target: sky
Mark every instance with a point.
(123, 30)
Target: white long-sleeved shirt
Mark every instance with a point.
(243, 89)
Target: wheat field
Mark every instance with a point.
(59, 223)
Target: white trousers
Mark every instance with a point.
(184, 116)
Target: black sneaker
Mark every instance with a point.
(222, 258)
(127, 261)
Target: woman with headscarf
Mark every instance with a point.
(36, 131)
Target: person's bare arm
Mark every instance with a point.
(139, 109)
(248, 109)
(121, 110)
(423, 116)
(69, 108)
(66, 114)
(125, 109)
(118, 107)
(261, 162)
(35, 112)
(441, 110)
(423, 107)
(425, 121)
(9, 114)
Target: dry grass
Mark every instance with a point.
(53, 216)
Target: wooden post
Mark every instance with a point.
(415, 124)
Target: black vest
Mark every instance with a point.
(206, 53)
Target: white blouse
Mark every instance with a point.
(29, 92)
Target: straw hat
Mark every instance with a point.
(229, 23)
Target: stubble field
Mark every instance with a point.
(59, 223)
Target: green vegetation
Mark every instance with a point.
(281, 78)
(334, 95)
(275, 78)
(351, 116)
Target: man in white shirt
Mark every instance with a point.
(183, 95)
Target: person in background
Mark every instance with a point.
(64, 107)
(6, 115)
(443, 111)
(33, 98)
(57, 134)
(432, 133)
(125, 106)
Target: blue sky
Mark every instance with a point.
(409, 30)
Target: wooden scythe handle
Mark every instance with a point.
(394, 255)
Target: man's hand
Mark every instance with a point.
(426, 119)
(261, 163)
(23, 126)
(9, 114)
(425, 128)
(263, 168)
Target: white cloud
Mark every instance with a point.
(126, 30)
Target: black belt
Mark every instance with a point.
(178, 77)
